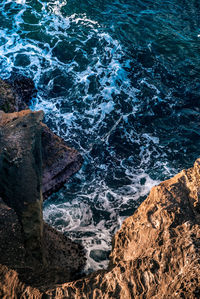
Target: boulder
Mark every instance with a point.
(7, 98)
(59, 162)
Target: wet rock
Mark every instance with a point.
(40, 256)
(16, 93)
(7, 97)
(24, 90)
(59, 162)
(99, 255)
(21, 173)
(19, 279)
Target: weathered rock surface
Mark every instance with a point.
(7, 97)
(40, 256)
(60, 162)
(64, 258)
(156, 253)
(16, 93)
(21, 173)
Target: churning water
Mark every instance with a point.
(119, 81)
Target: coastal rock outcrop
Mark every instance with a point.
(16, 93)
(21, 172)
(59, 162)
(156, 253)
(39, 254)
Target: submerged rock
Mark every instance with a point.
(23, 89)
(16, 93)
(7, 98)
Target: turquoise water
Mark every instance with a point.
(119, 81)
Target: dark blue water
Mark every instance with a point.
(119, 81)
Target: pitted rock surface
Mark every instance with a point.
(156, 253)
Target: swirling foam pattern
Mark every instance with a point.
(119, 81)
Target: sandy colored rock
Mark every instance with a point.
(156, 253)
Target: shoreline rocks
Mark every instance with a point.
(156, 253)
(59, 162)
(21, 173)
(39, 254)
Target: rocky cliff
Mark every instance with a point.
(40, 255)
(155, 254)
(59, 162)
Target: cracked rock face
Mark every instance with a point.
(156, 253)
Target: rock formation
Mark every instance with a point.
(59, 161)
(156, 253)
(21, 172)
(39, 254)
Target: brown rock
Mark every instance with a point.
(59, 162)
(21, 172)
(156, 253)
(64, 258)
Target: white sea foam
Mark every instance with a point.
(83, 93)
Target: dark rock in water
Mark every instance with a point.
(59, 162)
(39, 254)
(7, 97)
(24, 90)
(64, 258)
(16, 93)
(21, 172)
(99, 255)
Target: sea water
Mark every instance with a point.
(119, 81)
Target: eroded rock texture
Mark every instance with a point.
(156, 253)
(21, 173)
(39, 255)
(60, 162)
(16, 93)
